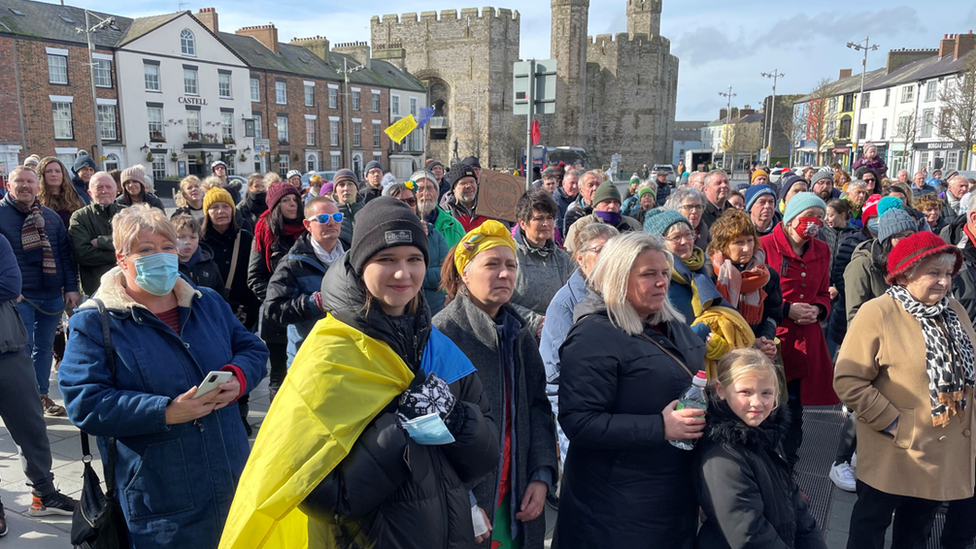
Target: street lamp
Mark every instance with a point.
(775, 75)
(728, 122)
(345, 71)
(88, 30)
(865, 47)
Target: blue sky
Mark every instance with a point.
(718, 42)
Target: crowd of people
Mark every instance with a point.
(438, 378)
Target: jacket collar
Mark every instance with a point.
(724, 427)
(476, 323)
(303, 251)
(112, 293)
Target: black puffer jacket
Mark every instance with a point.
(250, 210)
(745, 487)
(390, 492)
(837, 323)
(240, 297)
(624, 485)
(964, 284)
(203, 271)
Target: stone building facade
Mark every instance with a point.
(614, 94)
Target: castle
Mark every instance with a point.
(614, 93)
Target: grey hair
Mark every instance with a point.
(423, 174)
(573, 171)
(586, 235)
(696, 175)
(946, 259)
(713, 173)
(611, 275)
(857, 183)
(681, 194)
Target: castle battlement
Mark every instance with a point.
(640, 40)
(485, 13)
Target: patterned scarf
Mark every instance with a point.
(743, 289)
(949, 356)
(34, 239)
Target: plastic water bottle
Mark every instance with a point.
(693, 397)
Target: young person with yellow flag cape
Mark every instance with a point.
(381, 426)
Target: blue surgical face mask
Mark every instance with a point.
(429, 430)
(874, 225)
(157, 273)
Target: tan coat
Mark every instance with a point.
(880, 374)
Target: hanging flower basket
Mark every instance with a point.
(149, 157)
(243, 157)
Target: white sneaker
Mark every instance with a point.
(854, 460)
(843, 477)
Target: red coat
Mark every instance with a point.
(804, 279)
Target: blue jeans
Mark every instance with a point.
(40, 336)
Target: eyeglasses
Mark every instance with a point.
(692, 208)
(687, 237)
(871, 180)
(324, 218)
(412, 201)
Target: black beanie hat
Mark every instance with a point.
(460, 171)
(385, 222)
(472, 161)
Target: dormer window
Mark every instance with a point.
(187, 43)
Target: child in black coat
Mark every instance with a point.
(196, 259)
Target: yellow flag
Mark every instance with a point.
(401, 128)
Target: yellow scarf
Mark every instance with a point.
(729, 331)
(340, 380)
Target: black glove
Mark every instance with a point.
(433, 395)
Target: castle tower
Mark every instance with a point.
(568, 47)
(643, 17)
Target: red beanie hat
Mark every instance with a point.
(911, 251)
(278, 191)
(870, 208)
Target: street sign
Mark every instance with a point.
(543, 83)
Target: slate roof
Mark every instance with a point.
(847, 85)
(57, 23)
(144, 25)
(923, 69)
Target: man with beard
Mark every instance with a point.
(761, 207)
(374, 181)
(426, 190)
(436, 168)
(253, 205)
(583, 205)
(565, 195)
(717, 194)
(462, 201)
(346, 192)
(822, 185)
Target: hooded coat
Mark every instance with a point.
(863, 281)
(541, 272)
(289, 299)
(837, 323)
(175, 482)
(612, 389)
(492, 345)
(745, 485)
(250, 210)
(93, 222)
(240, 297)
(203, 271)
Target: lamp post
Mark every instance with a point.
(775, 75)
(865, 47)
(89, 30)
(728, 123)
(345, 71)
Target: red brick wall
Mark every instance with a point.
(10, 129)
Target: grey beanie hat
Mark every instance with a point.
(893, 222)
(825, 173)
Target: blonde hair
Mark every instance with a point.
(128, 223)
(611, 275)
(211, 182)
(739, 363)
(180, 198)
(271, 178)
(587, 233)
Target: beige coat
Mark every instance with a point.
(880, 374)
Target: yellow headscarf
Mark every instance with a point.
(490, 234)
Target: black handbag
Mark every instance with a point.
(98, 522)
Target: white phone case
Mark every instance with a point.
(212, 381)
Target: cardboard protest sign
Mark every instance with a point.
(498, 193)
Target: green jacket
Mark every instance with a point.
(93, 222)
(448, 226)
(862, 280)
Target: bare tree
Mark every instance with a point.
(819, 116)
(957, 120)
(907, 132)
(745, 138)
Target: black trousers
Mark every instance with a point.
(848, 441)
(794, 435)
(872, 516)
(960, 525)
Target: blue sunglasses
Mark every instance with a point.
(324, 218)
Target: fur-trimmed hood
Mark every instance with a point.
(112, 292)
(724, 427)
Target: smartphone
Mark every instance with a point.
(212, 381)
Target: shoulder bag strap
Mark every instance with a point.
(669, 353)
(109, 469)
(233, 262)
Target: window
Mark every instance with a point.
(376, 134)
(258, 130)
(190, 82)
(862, 132)
(193, 125)
(833, 104)
(57, 69)
(156, 124)
(884, 128)
(928, 118)
(908, 94)
(152, 77)
(281, 93)
(309, 95)
(334, 158)
(227, 126)
(395, 105)
(923, 158)
(255, 90)
(282, 129)
(930, 90)
(106, 122)
(376, 102)
(845, 127)
(187, 43)
(953, 160)
(231, 164)
(333, 98)
(112, 162)
(62, 120)
(284, 164)
(357, 130)
(887, 96)
(309, 132)
(334, 133)
(866, 100)
(223, 85)
(103, 73)
(355, 100)
(903, 122)
(159, 166)
(848, 103)
(310, 163)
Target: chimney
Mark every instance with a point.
(318, 45)
(746, 111)
(846, 73)
(357, 50)
(965, 43)
(899, 58)
(266, 34)
(208, 16)
(947, 45)
(721, 114)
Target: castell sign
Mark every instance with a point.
(192, 101)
